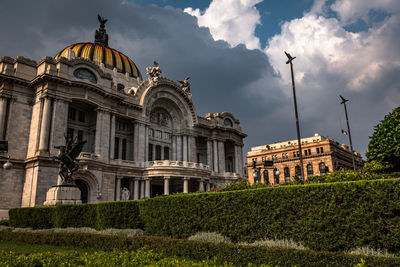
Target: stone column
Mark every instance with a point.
(142, 189)
(3, 111)
(148, 189)
(112, 136)
(174, 147)
(179, 148)
(136, 189)
(215, 144)
(237, 159)
(192, 149)
(185, 148)
(185, 185)
(45, 126)
(201, 185)
(208, 187)
(221, 155)
(97, 141)
(136, 141)
(141, 144)
(166, 185)
(209, 154)
(146, 143)
(118, 189)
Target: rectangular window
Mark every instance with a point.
(71, 113)
(158, 134)
(294, 154)
(123, 149)
(80, 136)
(70, 134)
(150, 158)
(317, 150)
(81, 116)
(309, 152)
(322, 150)
(151, 132)
(262, 158)
(116, 148)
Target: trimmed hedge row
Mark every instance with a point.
(235, 254)
(335, 217)
(122, 215)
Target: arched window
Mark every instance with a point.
(228, 122)
(276, 176)
(287, 174)
(266, 178)
(297, 171)
(322, 169)
(310, 171)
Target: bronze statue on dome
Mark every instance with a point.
(101, 37)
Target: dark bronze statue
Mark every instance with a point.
(67, 157)
(101, 37)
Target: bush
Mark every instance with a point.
(121, 214)
(333, 217)
(224, 253)
(4, 222)
(330, 216)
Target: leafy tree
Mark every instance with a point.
(384, 146)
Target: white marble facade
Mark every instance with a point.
(143, 135)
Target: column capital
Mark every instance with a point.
(186, 178)
(167, 177)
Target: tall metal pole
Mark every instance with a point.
(290, 59)
(348, 130)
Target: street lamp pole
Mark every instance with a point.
(290, 59)
(348, 129)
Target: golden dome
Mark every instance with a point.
(98, 53)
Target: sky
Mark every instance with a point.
(233, 50)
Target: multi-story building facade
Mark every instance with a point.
(320, 155)
(143, 135)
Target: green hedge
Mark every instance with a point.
(122, 214)
(235, 254)
(335, 217)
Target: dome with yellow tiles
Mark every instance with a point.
(99, 52)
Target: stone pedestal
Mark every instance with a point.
(63, 194)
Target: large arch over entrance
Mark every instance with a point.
(87, 182)
(83, 187)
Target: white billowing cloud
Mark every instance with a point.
(350, 11)
(233, 21)
(323, 46)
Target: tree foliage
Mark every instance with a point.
(384, 146)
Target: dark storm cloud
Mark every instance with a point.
(222, 78)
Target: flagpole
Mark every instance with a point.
(348, 130)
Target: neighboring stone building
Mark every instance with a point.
(320, 155)
(143, 135)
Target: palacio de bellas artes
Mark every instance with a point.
(143, 135)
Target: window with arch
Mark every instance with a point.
(86, 74)
(266, 177)
(310, 171)
(297, 171)
(276, 176)
(228, 122)
(322, 168)
(286, 173)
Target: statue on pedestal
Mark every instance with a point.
(67, 157)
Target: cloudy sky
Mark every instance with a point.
(233, 52)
